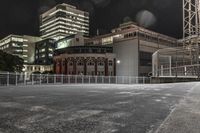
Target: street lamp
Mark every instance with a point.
(118, 61)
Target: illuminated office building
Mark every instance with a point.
(63, 20)
(44, 52)
(22, 46)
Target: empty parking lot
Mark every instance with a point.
(89, 108)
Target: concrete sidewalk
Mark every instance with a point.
(185, 118)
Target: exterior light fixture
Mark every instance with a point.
(118, 61)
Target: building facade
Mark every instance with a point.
(63, 20)
(72, 40)
(44, 52)
(30, 69)
(22, 46)
(85, 60)
(134, 47)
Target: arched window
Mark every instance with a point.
(101, 63)
(71, 63)
(110, 63)
(80, 63)
(90, 63)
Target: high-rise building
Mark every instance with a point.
(63, 20)
(22, 46)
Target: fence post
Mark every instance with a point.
(116, 80)
(62, 78)
(24, 79)
(75, 79)
(150, 80)
(32, 79)
(8, 78)
(82, 78)
(89, 79)
(47, 78)
(54, 79)
(95, 79)
(40, 79)
(16, 78)
(143, 80)
(109, 79)
(68, 78)
(123, 82)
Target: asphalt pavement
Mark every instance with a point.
(99, 108)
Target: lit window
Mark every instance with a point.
(110, 63)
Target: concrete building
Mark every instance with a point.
(22, 46)
(44, 52)
(63, 20)
(30, 69)
(85, 60)
(133, 46)
(72, 40)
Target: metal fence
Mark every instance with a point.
(7, 79)
(181, 71)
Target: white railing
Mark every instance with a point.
(18, 79)
(192, 71)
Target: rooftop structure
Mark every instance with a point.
(131, 30)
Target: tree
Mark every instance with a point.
(10, 62)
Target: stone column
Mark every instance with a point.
(106, 67)
(60, 64)
(115, 67)
(85, 66)
(54, 66)
(66, 66)
(74, 67)
(96, 66)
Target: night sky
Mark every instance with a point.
(164, 16)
